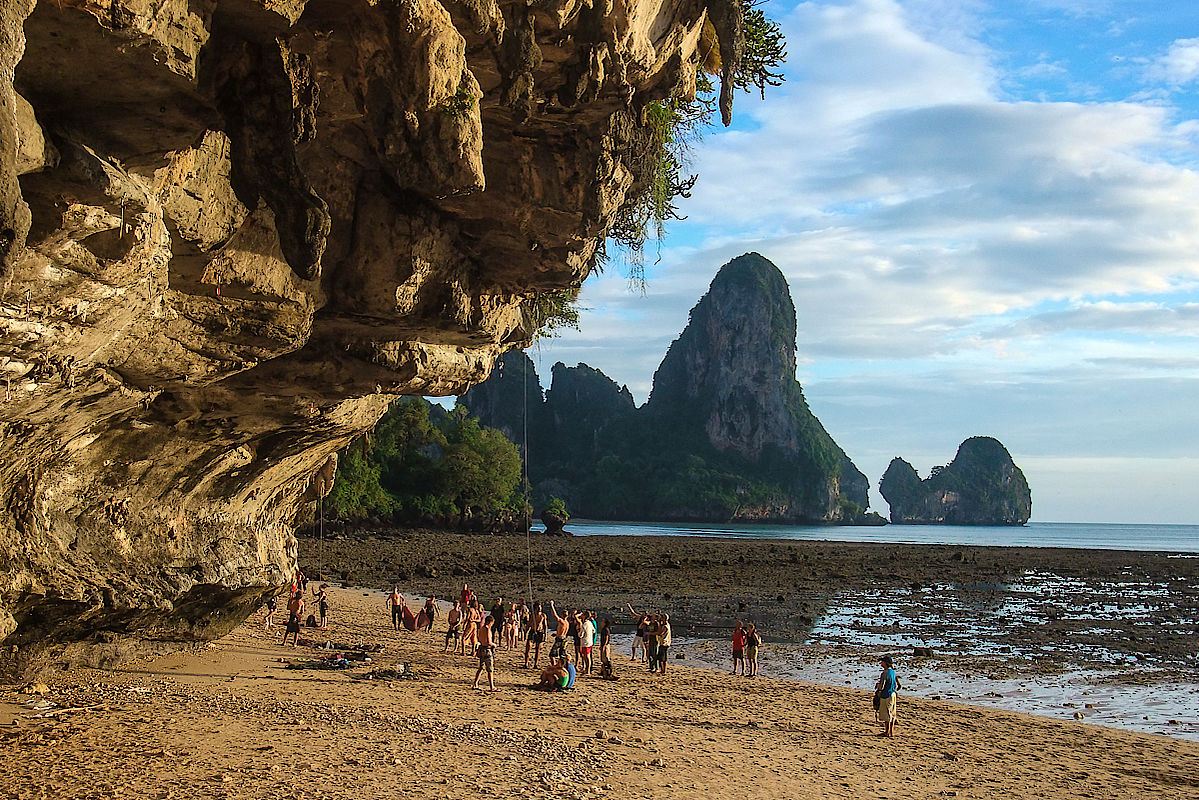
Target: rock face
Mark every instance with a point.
(981, 486)
(232, 231)
(726, 433)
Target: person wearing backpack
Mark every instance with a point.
(885, 697)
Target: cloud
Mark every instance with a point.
(1142, 319)
(1178, 66)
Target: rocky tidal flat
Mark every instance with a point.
(1012, 610)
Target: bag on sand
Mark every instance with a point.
(877, 699)
(311, 621)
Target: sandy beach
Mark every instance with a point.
(229, 720)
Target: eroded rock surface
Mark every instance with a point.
(231, 231)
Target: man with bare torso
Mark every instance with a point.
(295, 609)
(486, 654)
(562, 625)
(453, 620)
(396, 603)
(537, 624)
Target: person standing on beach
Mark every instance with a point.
(396, 604)
(470, 628)
(561, 626)
(663, 641)
(453, 623)
(605, 640)
(322, 604)
(430, 612)
(651, 642)
(739, 647)
(641, 636)
(753, 640)
(885, 691)
(486, 654)
(537, 625)
(587, 643)
(271, 605)
(295, 608)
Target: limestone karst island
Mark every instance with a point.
(242, 556)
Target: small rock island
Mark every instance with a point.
(981, 486)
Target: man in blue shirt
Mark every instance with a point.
(885, 691)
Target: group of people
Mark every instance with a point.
(581, 643)
(295, 608)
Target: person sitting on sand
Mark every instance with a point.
(663, 641)
(561, 626)
(486, 654)
(394, 602)
(553, 677)
(536, 635)
(453, 621)
(885, 691)
(753, 640)
(295, 610)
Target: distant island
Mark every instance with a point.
(981, 486)
(725, 435)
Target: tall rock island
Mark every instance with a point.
(725, 435)
(233, 231)
(981, 486)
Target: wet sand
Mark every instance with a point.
(229, 721)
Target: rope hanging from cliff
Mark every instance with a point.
(528, 507)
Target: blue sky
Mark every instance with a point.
(988, 214)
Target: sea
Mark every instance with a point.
(1085, 535)
(843, 647)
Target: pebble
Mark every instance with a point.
(1078, 715)
(601, 734)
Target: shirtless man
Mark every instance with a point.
(536, 634)
(486, 653)
(552, 677)
(295, 610)
(453, 620)
(470, 628)
(396, 604)
(562, 625)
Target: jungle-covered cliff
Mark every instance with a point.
(981, 486)
(233, 231)
(725, 435)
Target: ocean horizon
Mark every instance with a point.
(1152, 537)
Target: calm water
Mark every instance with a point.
(1174, 538)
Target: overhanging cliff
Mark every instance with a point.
(231, 231)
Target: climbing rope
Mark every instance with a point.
(528, 501)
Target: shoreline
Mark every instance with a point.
(227, 720)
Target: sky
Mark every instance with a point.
(988, 215)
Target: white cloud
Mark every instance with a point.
(1179, 65)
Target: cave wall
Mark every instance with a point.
(232, 231)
